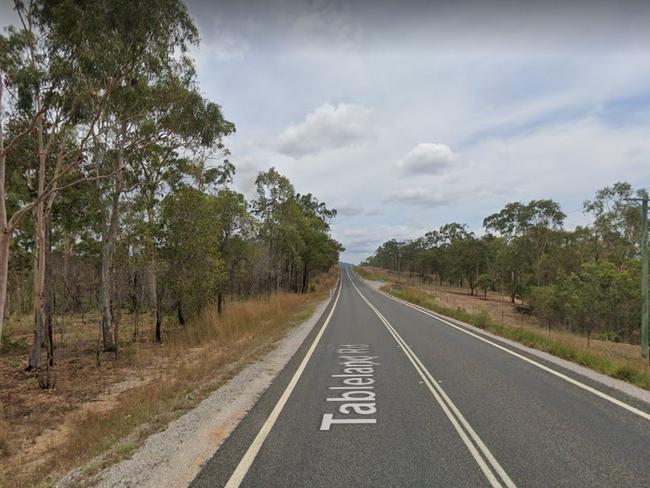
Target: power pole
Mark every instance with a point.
(644, 274)
(644, 277)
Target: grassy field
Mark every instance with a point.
(496, 315)
(107, 405)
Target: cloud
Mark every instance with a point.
(427, 158)
(351, 210)
(326, 128)
(361, 242)
(419, 196)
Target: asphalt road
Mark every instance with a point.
(383, 395)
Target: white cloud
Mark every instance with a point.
(427, 158)
(351, 210)
(524, 120)
(420, 196)
(326, 128)
(362, 241)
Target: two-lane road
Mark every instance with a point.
(384, 395)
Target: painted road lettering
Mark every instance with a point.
(353, 389)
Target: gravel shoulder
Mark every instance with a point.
(173, 457)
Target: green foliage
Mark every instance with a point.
(599, 297)
(586, 279)
(190, 248)
(118, 159)
(485, 282)
(296, 230)
(526, 337)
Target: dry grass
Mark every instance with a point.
(4, 443)
(121, 402)
(497, 314)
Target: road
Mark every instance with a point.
(384, 395)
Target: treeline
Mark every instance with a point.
(585, 279)
(115, 182)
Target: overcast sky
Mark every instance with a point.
(407, 115)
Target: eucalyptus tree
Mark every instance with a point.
(273, 192)
(617, 222)
(48, 110)
(315, 226)
(236, 227)
(137, 52)
(192, 130)
(190, 248)
(533, 226)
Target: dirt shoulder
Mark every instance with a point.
(104, 407)
(173, 457)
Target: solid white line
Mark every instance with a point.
(575, 382)
(456, 418)
(244, 465)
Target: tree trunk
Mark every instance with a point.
(180, 314)
(67, 252)
(5, 241)
(305, 278)
(153, 295)
(48, 292)
(40, 257)
(109, 226)
(158, 319)
(220, 301)
(106, 289)
(5, 232)
(153, 284)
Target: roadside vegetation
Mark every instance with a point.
(585, 280)
(99, 413)
(587, 310)
(128, 262)
(618, 368)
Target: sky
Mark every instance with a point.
(407, 115)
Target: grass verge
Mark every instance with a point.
(626, 372)
(192, 362)
(4, 445)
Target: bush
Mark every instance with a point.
(480, 319)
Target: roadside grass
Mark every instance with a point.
(192, 362)
(4, 444)
(632, 373)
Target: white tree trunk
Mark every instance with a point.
(5, 241)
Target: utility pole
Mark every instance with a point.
(644, 277)
(644, 274)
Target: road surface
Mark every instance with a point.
(384, 395)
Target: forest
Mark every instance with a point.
(116, 184)
(585, 279)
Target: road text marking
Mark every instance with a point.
(358, 369)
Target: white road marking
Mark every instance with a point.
(244, 465)
(573, 381)
(450, 410)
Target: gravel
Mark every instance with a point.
(173, 457)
